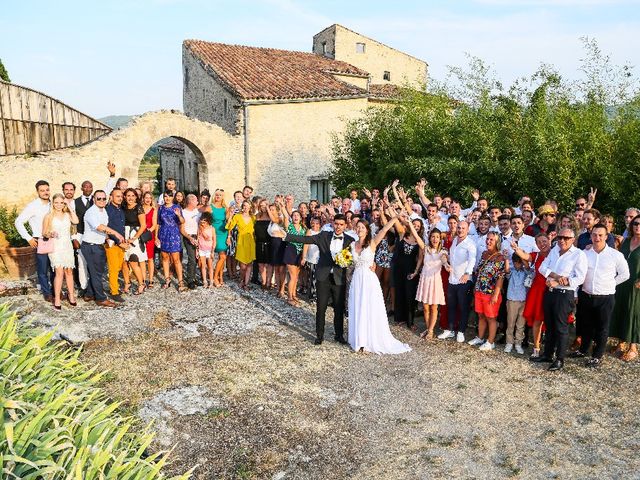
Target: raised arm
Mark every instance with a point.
(383, 231)
(415, 235)
(421, 195)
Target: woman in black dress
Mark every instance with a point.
(408, 257)
(263, 244)
(277, 250)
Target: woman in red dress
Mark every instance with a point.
(533, 311)
(151, 216)
(447, 240)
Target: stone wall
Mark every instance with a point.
(205, 98)
(286, 158)
(219, 154)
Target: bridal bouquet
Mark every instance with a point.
(344, 258)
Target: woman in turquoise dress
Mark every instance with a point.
(625, 321)
(219, 213)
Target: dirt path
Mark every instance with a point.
(270, 404)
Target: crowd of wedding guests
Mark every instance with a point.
(519, 274)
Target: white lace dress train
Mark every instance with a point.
(368, 323)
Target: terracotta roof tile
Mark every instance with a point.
(384, 91)
(254, 73)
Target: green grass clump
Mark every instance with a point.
(57, 423)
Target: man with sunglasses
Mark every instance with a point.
(565, 269)
(96, 229)
(546, 224)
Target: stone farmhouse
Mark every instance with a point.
(257, 116)
(286, 105)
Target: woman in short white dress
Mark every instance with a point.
(57, 225)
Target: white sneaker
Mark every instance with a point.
(446, 334)
(508, 347)
(476, 341)
(460, 337)
(486, 346)
(519, 349)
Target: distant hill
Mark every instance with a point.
(116, 121)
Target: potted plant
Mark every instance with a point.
(16, 256)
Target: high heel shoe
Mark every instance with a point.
(57, 307)
(74, 303)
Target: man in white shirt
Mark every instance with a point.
(189, 230)
(96, 229)
(462, 258)
(34, 214)
(355, 203)
(518, 239)
(565, 269)
(494, 213)
(606, 268)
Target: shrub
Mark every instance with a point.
(544, 136)
(57, 423)
(8, 227)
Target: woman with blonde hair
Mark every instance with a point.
(245, 252)
(56, 226)
(220, 216)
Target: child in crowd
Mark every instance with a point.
(310, 258)
(516, 296)
(206, 241)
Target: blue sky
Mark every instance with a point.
(124, 57)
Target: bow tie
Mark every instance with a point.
(335, 237)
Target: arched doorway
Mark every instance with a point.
(177, 158)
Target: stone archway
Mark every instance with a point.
(221, 156)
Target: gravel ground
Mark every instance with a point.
(236, 384)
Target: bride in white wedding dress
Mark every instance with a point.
(368, 324)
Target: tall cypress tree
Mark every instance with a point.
(4, 75)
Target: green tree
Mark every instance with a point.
(4, 75)
(542, 136)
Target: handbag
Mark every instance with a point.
(45, 246)
(146, 236)
(528, 280)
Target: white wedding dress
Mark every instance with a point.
(368, 323)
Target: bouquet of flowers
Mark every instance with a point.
(344, 258)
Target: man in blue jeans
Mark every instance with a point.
(34, 214)
(462, 260)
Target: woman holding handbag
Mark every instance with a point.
(56, 228)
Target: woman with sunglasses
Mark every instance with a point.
(625, 322)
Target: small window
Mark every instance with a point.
(360, 47)
(225, 108)
(324, 48)
(319, 190)
(386, 76)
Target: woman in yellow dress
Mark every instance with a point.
(246, 246)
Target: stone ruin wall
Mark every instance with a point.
(223, 164)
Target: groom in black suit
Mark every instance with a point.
(331, 280)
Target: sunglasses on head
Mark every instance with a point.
(563, 237)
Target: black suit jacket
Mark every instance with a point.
(326, 265)
(80, 211)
